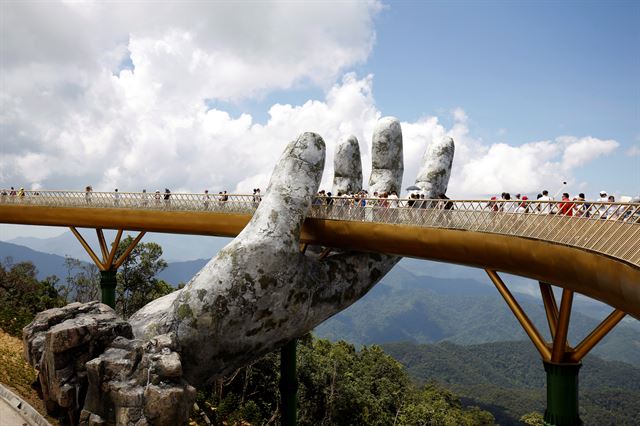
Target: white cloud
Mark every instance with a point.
(70, 116)
(633, 151)
(582, 150)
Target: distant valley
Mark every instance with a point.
(507, 379)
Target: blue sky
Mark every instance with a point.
(97, 94)
(522, 71)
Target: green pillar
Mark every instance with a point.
(562, 394)
(108, 287)
(288, 383)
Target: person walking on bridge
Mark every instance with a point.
(545, 207)
(205, 199)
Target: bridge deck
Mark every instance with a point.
(595, 251)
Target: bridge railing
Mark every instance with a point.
(608, 228)
(230, 203)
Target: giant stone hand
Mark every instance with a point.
(261, 291)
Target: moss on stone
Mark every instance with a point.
(184, 312)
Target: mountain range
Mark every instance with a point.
(418, 301)
(507, 379)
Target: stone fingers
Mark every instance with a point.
(387, 165)
(433, 177)
(347, 166)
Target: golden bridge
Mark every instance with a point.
(585, 247)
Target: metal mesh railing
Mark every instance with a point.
(612, 229)
(229, 203)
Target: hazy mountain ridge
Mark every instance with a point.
(406, 306)
(176, 248)
(507, 379)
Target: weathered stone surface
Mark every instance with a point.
(387, 162)
(347, 167)
(138, 382)
(60, 341)
(433, 177)
(260, 291)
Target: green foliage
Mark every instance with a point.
(507, 378)
(338, 385)
(438, 406)
(22, 296)
(82, 283)
(533, 419)
(342, 385)
(137, 281)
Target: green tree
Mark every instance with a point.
(137, 281)
(338, 385)
(533, 419)
(439, 406)
(82, 283)
(22, 296)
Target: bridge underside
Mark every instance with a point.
(600, 277)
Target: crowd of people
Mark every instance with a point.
(577, 205)
(543, 204)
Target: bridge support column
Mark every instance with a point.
(562, 394)
(109, 263)
(108, 287)
(288, 384)
(561, 361)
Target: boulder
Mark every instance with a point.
(59, 342)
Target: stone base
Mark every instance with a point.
(92, 371)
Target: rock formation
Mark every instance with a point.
(58, 344)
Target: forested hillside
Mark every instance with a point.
(508, 379)
(407, 307)
(338, 385)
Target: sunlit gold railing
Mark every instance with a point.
(612, 229)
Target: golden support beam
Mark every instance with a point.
(596, 335)
(128, 251)
(108, 262)
(103, 244)
(550, 307)
(524, 320)
(114, 248)
(93, 256)
(562, 330)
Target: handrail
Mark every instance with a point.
(608, 228)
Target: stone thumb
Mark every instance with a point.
(294, 182)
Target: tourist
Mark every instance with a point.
(145, 198)
(523, 207)
(394, 202)
(206, 198)
(87, 194)
(167, 198)
(565, 208)
(545, 207)
(613, 211)
(602, 210)
(116, 197)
